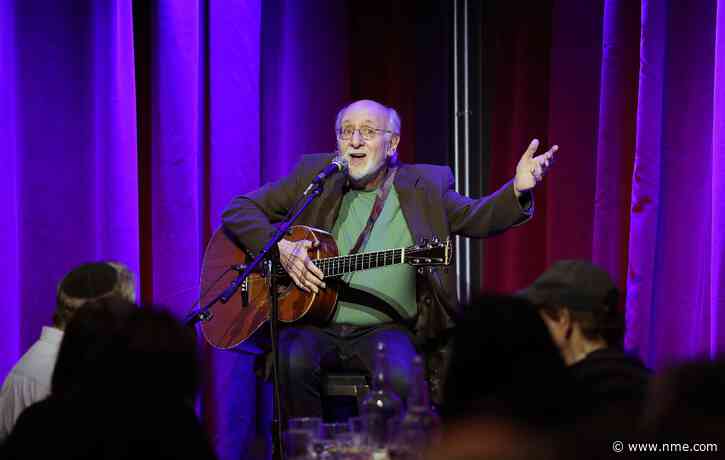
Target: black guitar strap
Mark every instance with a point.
(350, 294)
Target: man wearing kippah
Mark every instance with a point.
(29, 380)
(579, 304)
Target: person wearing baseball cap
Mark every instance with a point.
(580, 305)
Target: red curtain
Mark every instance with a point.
(632, 93)
(566, 73)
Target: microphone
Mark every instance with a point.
(338, 164)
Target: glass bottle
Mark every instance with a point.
(381, 405)
(420, 420)
(420, 427)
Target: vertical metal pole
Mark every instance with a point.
(461, 133)
(466, 294)
(469, 151)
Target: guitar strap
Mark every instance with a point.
(350, 294)
(353, 295)
(380, 198)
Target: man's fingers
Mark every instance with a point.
(545, 160)
(314, 269)
(298, 282)
(303, 271)
(550, 153)
(311, 286)
(310, 264)
(534, 167)
(299, 268)
(531, 149)
(312, 279)
(303, 280)
(308, 279)
(309, 282)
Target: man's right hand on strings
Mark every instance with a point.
(295, 260)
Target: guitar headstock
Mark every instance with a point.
(430, 253)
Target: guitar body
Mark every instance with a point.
(234, 322)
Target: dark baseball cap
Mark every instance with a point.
(576, 284)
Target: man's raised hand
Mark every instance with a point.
(530, 170)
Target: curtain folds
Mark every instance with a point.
(10, 339)
(670, 264)
(634, 101)
(717, 246)
(125, 128)
(70, 150)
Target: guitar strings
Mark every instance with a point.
(333, 266)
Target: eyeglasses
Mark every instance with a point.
(367, 132)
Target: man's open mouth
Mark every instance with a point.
(357, 154)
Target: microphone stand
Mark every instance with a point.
(270, 256)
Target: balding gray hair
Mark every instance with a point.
(392, 124)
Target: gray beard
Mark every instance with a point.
(362, 182)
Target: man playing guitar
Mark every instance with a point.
(378, 205)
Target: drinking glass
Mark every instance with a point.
(329, 439)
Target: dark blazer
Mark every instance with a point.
(432, 208)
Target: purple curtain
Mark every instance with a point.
(175, 190)
(615, 136)
(675, 252)
(200, 129)
(305, 79)
(233, 164)
(634, 100)
(69, 141)
(91, 177)
(125, 129)
(10, 338)
(717, 246)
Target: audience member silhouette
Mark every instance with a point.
(505, 365)
(123, 388)
(580, 305)
(508, 392)
(685, 405)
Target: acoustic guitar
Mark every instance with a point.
(249, 309)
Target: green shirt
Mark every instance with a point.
(395, 284)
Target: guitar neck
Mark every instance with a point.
(336, 266)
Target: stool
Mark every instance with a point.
(342, 393)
